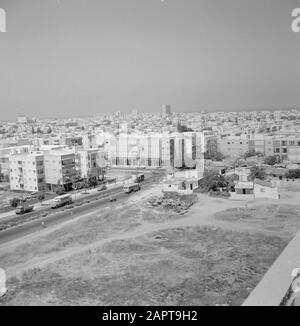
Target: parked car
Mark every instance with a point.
(102, 188)
(32, 195)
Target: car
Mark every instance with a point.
(102, 188)
(32, 195)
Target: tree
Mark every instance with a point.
(271, 160)
(49, 131)
(231, 181)
(41, 197)
(257, 172)
(182, 128)
(212, 180)
(60, 191)
(293, 174)
(213, 152)
(15, 202)
(251, 153)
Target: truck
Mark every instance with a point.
(60, 201)
(24, 208)
(131, 187)
(139, 177)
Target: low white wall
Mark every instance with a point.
(235, 196)
(265, 192)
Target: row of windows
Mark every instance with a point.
(22, 162)
(22, 186)
(24, 170)
(34, 179)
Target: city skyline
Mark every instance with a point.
(63, 58)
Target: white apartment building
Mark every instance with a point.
(27, 171)
(60, 169)
(234, 146)
(90, 163)
(168, 150)
(155, 150)
(5, 154)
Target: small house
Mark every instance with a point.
(265, 189)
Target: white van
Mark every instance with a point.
(131, 187)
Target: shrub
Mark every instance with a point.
(15, 202)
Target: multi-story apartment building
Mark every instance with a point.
(286, 146)
(262, 144)
(155, 150)
(27, 171)
(90, 163)
(60, 169)
(168, 151)
(5, 154)
(233, 146)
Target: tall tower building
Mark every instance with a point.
(166, 110)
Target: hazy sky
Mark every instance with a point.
(86, 57)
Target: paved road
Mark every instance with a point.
(64, 214)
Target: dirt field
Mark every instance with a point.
(134, 254)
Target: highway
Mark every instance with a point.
(66, 213)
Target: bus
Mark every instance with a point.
(61, 201)
(131, 187)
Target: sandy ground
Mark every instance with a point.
(219, 245)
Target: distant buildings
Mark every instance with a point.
(286, 146)
(22, 119)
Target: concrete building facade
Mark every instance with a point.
(27, 172)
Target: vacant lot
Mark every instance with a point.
(191, 266)
(134, 254)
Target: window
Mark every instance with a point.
(262, 190)
(284, 150)
(292, 143)
(283, 143)
(277, 150)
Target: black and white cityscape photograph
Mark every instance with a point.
(149, 155)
